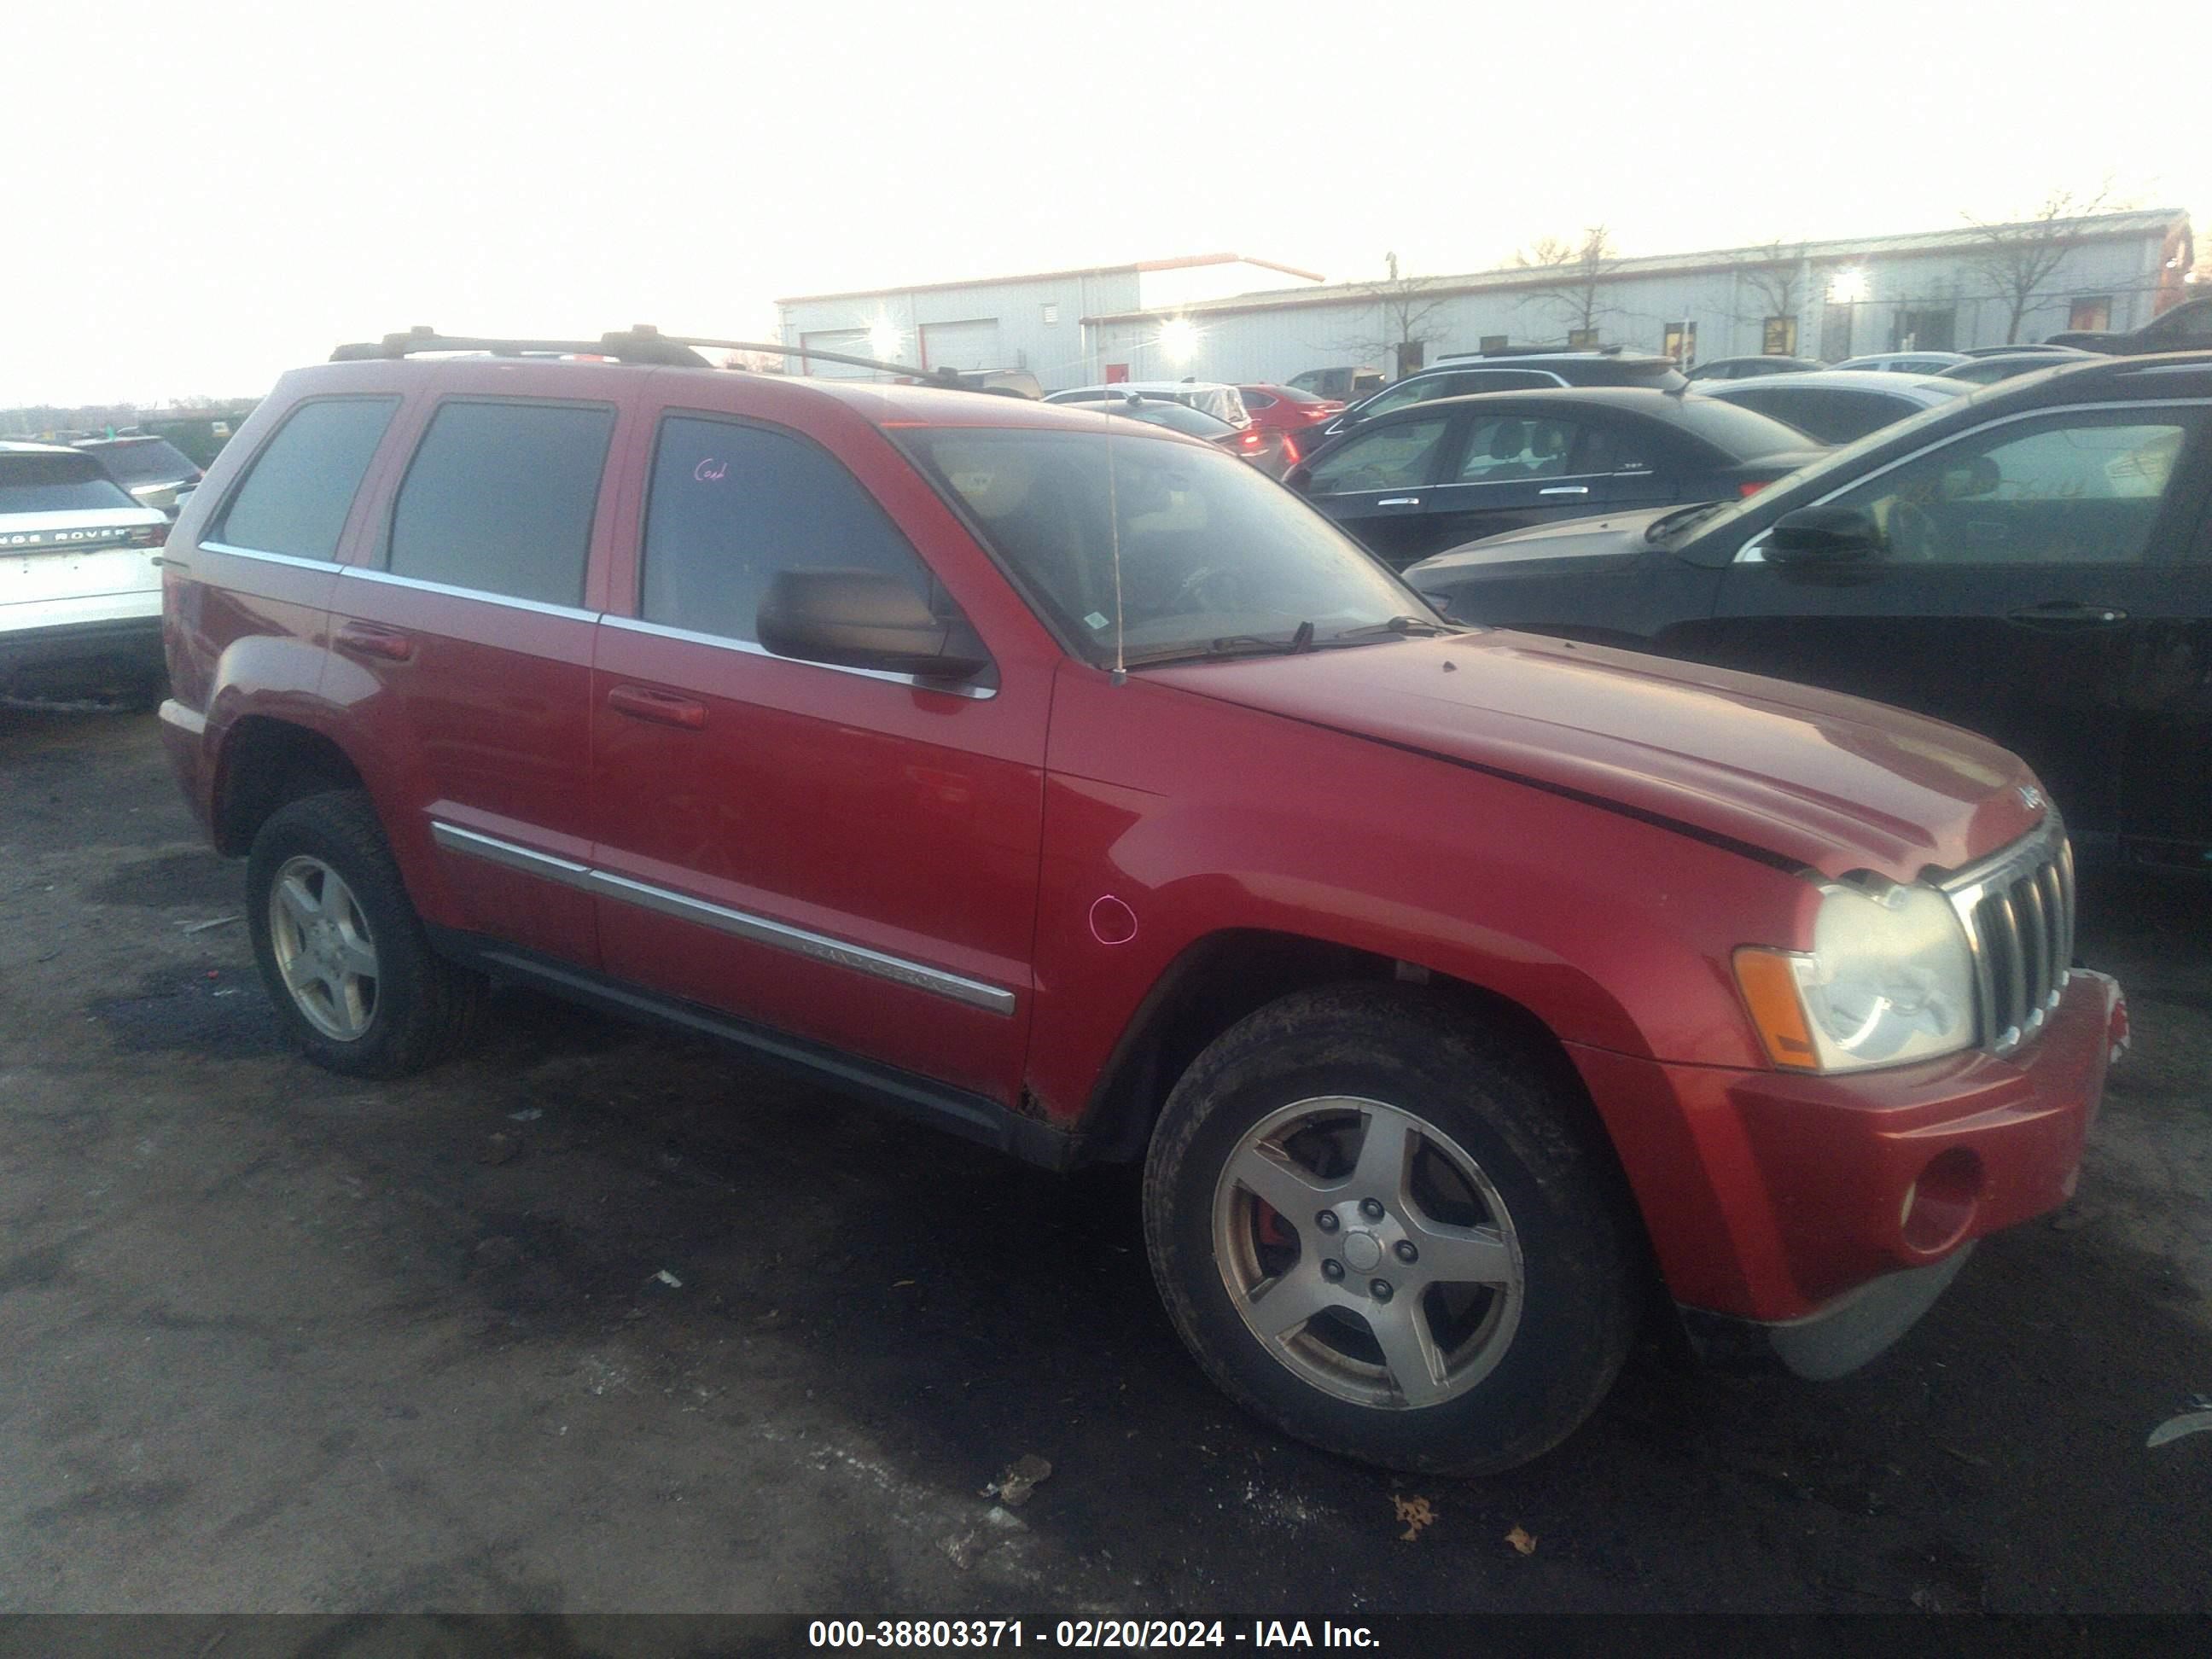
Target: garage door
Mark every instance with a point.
(854, 341)
(962, 345)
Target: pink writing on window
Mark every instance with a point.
(711, 470)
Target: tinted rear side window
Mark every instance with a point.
(33, 482)
(732, 505)
(499, 497)
(301, 485)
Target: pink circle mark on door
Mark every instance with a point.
(1112, 922)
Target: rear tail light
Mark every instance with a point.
(155, 535)
(1751, 486)
(1249, 439)
(1290, 450)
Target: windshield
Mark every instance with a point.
(1177, 417)
(144, 461)
(1743, 432)
(1211, 554)
(56, 484)
(1843, 459)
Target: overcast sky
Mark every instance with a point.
(199, 194)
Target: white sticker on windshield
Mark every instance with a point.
(1094, 621)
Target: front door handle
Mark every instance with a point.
(1565, 489)
(367, 640)
(1400, 501)
(2066, 613)
(662, 708)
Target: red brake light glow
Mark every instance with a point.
(1751, 486)
(1249, 439)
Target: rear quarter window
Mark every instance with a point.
(499, 498)
(297, 492)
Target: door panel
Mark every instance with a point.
(2023, 563)
(1507, 471)
(466, 661)
(1374, 486)
(846, 856)
(2165, 785)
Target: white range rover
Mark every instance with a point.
(80, 579)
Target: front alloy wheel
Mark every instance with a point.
(1368, 1252)
(1392, 1229)
(323, 948)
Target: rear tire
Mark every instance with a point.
(355, 983)
(1451, 1255)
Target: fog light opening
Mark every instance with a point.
(1939, 1207)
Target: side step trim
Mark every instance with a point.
(972, 1116)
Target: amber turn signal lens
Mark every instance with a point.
(1770, 990)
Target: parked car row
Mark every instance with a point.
(2032, 561)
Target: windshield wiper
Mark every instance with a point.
(1233, 645)
(1666, 524)
(1399, 626)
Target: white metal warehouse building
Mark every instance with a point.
(1252, 319)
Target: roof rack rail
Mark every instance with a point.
(641, 342)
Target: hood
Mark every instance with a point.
(1618, 534)
(1795, 776)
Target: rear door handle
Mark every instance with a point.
(662, 708)
(1565, 489)
(1400, 501)
(2066, 613)
(366, 640)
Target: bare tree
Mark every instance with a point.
(1411, 312)
(1578, 293)
(1775, 275)
(2017, 260)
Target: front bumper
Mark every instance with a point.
(1786, 1200)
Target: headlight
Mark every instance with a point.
(1889, 980)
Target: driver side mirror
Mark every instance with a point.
(863, 619)
(1824, 536)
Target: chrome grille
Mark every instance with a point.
(2018, 911)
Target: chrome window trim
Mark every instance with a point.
(739, 924)
(1743, 553)
(574, 613)
(753, 648)
(292, 559)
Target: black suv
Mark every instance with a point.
(2032, 561)
(1461, 374)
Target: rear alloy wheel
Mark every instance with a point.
(1392, 1233)
(343, 954)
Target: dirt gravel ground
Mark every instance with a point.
(602, 1320)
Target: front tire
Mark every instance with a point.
(341, 949)
(1381, 1228)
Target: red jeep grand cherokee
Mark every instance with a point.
(1066, 782)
